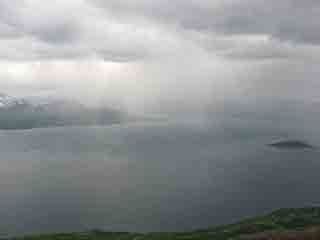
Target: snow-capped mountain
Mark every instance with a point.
(8, 101)
(19, 113)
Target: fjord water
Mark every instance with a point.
(169, 175)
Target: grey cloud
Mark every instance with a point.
(78, 29)
(159, 52)
(58, 33)
(31, 30)
(30, 19)
(8, 32)
(272, 50)
(259, 54)
(121, 56)
(288, 20)
(190, 14)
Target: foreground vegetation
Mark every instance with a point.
(283, 224)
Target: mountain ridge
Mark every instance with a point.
(19, 113)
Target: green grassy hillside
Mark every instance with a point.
(277, 222)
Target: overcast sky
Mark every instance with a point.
(149, 54)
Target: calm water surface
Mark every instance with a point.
(163, 176)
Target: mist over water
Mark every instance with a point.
(176, 174)
(196, 91)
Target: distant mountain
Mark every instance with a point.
(7, 101)
(16, 113)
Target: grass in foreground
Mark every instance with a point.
(283, 224)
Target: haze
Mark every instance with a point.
(153, 55)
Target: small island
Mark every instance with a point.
(291, 144)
